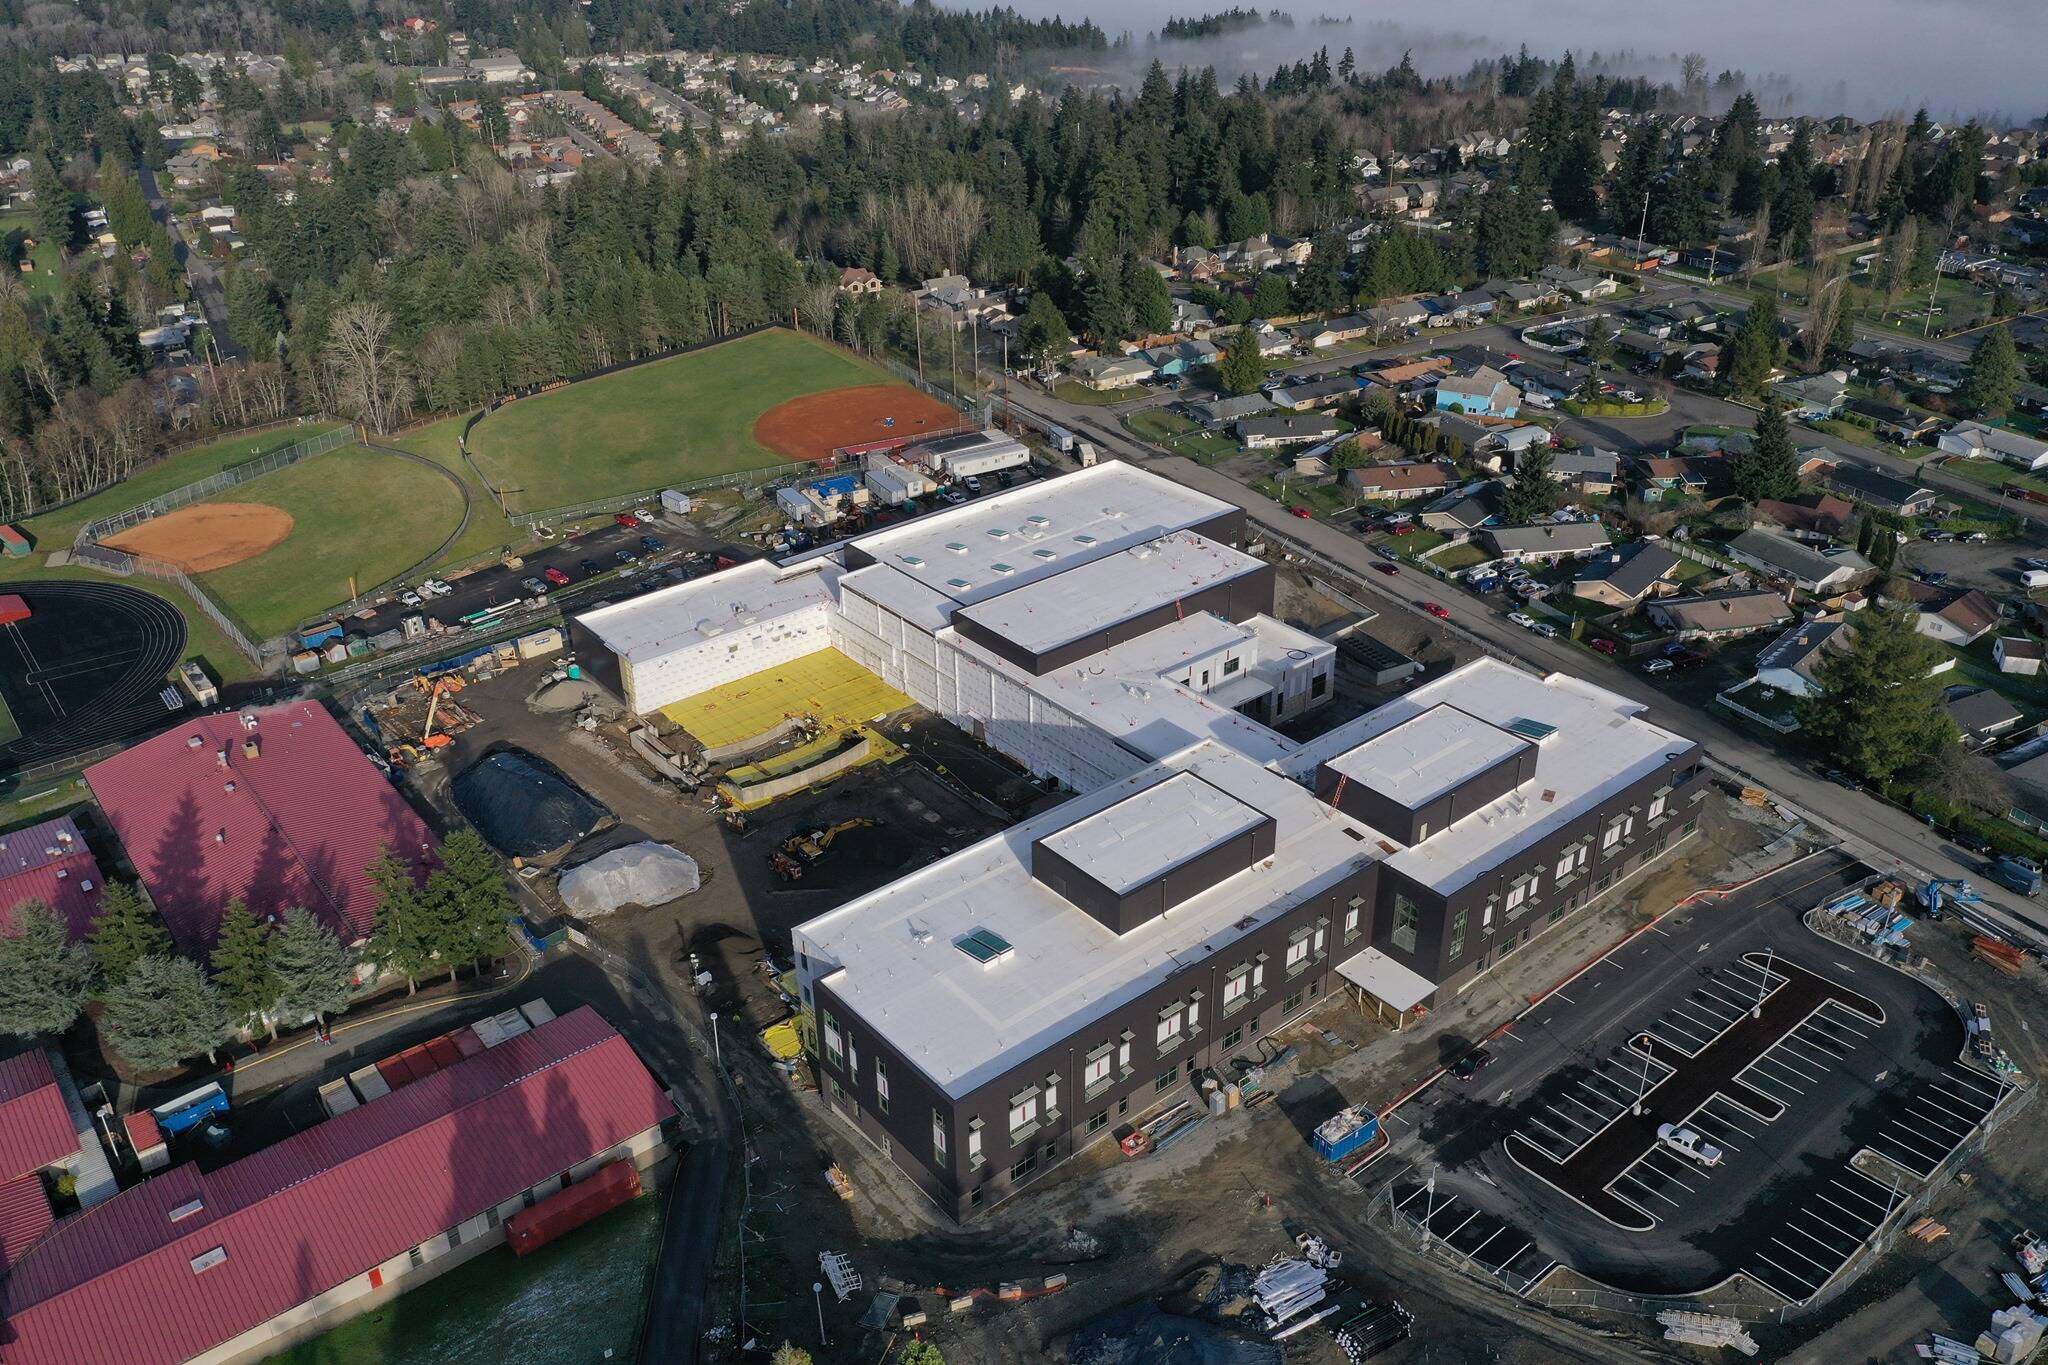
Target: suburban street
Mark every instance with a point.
(1886, 837)
(199, 269)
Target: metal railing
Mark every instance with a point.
(233, 475)
(739, 478)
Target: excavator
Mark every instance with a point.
(808, 846)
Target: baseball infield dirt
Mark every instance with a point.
(812, 427)
(211, 535)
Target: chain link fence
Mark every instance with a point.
(740, 478)
(122, 564)
(94, 531)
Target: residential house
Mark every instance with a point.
(1223, 411)
(1815, 398)
(1315, 393)
(1789, 663)
(1817, 515)
(1179, 358)
(1522, 295)
(1982, 716)
(856, 279)
(1485, 390)
(1639, 345)
(1626, 575)
(1881, 490)
(1410, 378)
(1280, 430)
(1974, 440)
(1784, 560)
(1587, 471)
(1335, 332)
(2018, 654)
(1552, 386)
(1463, 510)
(1199, 263)
(1690, 475)
(1581, 285)
(1954, 616)
(1390, 317)
(1897, 422)
(1721, 615)
(1398, 482)
(1548, 543)
(1192, 318)
(955, 299)
(1105, 372)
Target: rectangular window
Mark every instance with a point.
(1023, 1169)
(1169, 1028)
(1229, 667)
(1556, 914)
(1166, 1079)
(1351, 919)
(1564, 865)
(1123, 1055)
(838, 1090)
(1097, 1071)
(1258, 978)
(1195, 1014)
(1690, 826)
(1457, 935)
(1023, 1110)
(882, 1084)
(939, 1135)
(974, 1143)
(833, 1048)
(1319, 685)
(1234, 987)
(1052, 1097)
(1297, 954)
(1098, 1122)
(974, 1197)
(1320, 934)
(1123, 1106)
(852, 1059)
(1232, 1039)
(1612, 836)
(415, 1258)
(1656, 807)
(1517, 893)
(1407, 918)
(1291, 1004)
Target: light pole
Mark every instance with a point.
(717, 1052)
(818, 1296)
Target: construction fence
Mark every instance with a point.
(233, 475)
(123, 565)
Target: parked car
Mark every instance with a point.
(1545, 629)
(1657, 666)
(533, 585)
(1405, 528)
(624, 555)
(1688, 1144)
(589, 566)
(1384, 552)
(1490, 583)
(556, 576)
(1390, 570)
(409, 597)
(1690, 659)
(972, 484)
(1471, 1064)
(1522, 619)
(1607, 647)
(651, 545)
(1302, 512)
(628, 520)
(1438, 610)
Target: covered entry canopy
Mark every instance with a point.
(1390, 985)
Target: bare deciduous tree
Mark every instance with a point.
(368, 375)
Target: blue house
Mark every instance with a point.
(1485, 391)
(1179, 358)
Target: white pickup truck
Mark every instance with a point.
(1688, 1144)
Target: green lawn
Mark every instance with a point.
(1992, 473)
(1459, 557)
(1068, 391)
(688, 417)
(573, 1303)
(1861, 435)
(1182, 435)
(9, 731)
(355, 512)
(203, 639)
(54, 532)
(47, 257)
(488, 532)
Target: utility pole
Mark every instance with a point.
(1643, 231)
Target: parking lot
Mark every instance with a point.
(1731, 1020)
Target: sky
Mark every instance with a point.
(1865, 58)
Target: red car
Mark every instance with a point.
(628, 520)
(1302, 512)
(1390, 570)
(556, 577)
(1438, 610)
(1607, 647)
(1406, 528)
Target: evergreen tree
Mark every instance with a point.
(1103, 308)
(1241, 369)
(1320, 286)
(1271, 296)
(1770, 467)
(1147, 296)
(1042, 335)
(127, 930)
(1534, 491)
(412, 928)
(313, 967)
(1877, 711)
(164, 1010)
(1753, 352)
(241, 967)
(1599, 341)
(482, 906)
(1992, 379)
(44, 977)
(53, 205)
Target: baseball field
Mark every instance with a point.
(750, 403)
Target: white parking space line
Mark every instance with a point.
(1648, 1191)
(1473, 1254)
(1940, 1118)
(1713, 1008)
(1825, 1272)
(1569, 1119)
(1812, 1047)
(1777, 1059)
(1970, 1081)
(1726, 1120)
(1795, 1296)
(1727, 1000)
(1775, 1080)
(1800, 1229)
(1878, 1204)
(1814, 1214)
(1971, 1105)
(1560, 995)
(1847, 1213)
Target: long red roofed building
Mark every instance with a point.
(281, 1245)
(275, 805)
(49, 862)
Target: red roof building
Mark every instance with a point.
(36, 1131)
(277, 806)
(49, 862)
(188, 1261)
(12, 609)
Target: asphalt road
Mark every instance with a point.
(1882, 835)
(199, 270)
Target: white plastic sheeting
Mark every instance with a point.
(645, 874)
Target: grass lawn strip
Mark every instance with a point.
(488, 532)
(688, 417)
(203, 639)
(356, 513)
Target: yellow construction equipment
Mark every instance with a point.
(817, 843)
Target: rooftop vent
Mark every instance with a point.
(956, 547)
(914, 561)
(1084, 539)
(207, 1260)
(985, 946)
(958, 583)
(194, 742)
(998, 533)
(251, 748)
(1001, 567)
(1530, 729)
(187, 1209)
(248, 720)
(1045, 554)
(1039, 520)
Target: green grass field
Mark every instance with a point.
(567, 1304)
(688, 417)
(355, 512)
(9, 731)
(54, 532)
(488, 532)
(203, 639)
(47, 257)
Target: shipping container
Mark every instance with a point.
(540, 644)
(314, 636)
(566, 1210)
(397, 1075)
(488, 1032)
(672, 501)
(12, 542)
(511, 1023)
(337, 1099)
(369, 1083)
(536, 1012)
(466, 1042)
(417, 1062)
(443, 1051)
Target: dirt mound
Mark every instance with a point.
(812, 427)
(210, 535)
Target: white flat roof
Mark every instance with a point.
(1153, 831)
(900, 593)
(1600, 745)
(1074, 519)
(1420, 758)
(1385, 979)
(891, 955)
(1090, 597)
(662, 622)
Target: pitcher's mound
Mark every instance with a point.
(812, 427)
(210, 535)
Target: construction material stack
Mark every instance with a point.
(1706, 1329)
(1374, 1329)
(1289, 1292)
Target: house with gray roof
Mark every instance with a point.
(1548, 542)
(1624, 575)
(1783, 559)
